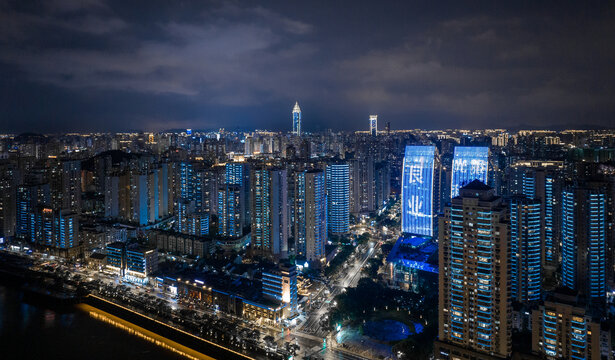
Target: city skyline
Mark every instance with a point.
(280, 180)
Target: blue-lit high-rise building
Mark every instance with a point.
(299, 212)
(311, 215)
(229, 211)
(184, 209)
(373, 125)
(27, 199)
(584, 238)
(338, 197)
(186, 181)
(541, 180)
(197, 224)
(297, 119)
(526, 249)
(238, 173)
(269, 213)
(57, 229)
(474, 299)
(417, 211)
(469, 163)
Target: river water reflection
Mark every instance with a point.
(36, 331)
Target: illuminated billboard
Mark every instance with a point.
(469, 163)
(417, 190)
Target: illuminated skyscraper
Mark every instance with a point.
(474, 299)
(238, 173)
(417, 216)
(28, 197)
(184, 209)
(362, 199)
(540, 180)
(469, 163)
(8, 192)
(299, 212)
(229, 211)
(57, 229)
(297, 119)
(338, 198)
(186, 181)
(584, 239)
(311, 214)
(269, 200)
(525, 247)
(373, 125)
(382, 183)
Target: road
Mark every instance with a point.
(311, 333)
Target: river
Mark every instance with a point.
(36, 331)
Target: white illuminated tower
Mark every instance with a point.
(373, 124)
(297, 119)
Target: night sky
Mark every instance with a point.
(102, 65)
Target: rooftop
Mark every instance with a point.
(414, 252)
(477, 185)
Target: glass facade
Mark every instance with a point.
(469, 163)
(373, 124)
(417, 190)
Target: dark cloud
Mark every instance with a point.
(105, 65)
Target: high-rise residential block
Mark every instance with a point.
(541, 180)
(564, 328)
(311, 215)
(474, 297)
(526, 249)
(269, 213)
(229, 211)
(585, 238)
(238, 173)
(338, 198)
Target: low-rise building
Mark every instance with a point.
(412, 261)
(141, 263)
